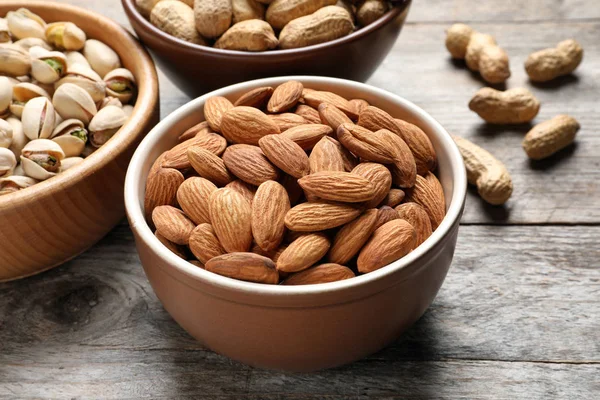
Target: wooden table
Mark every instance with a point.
(518, 315)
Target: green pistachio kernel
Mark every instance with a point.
(58, 67)
(80, 133)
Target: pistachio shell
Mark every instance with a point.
(18, 171)
(40, 148)
(4, 32)
(14, 60)
(105, 124)
(128, 110)
(72, 145)
(69, 162)
(19, 140)
(25, 91)
(109, 101)
(75, 57)
(34, 170)
(15, 183)
(23, 24)
(85, 78)
(8, 162)
(65, 36)
(16, 108)
(6, 134)
(102, 58)
(49, 66)
(120, 83)
(48, 87)
(28, 43)
(71, 101)
(6, 88)
(38, 118)
(66, 126)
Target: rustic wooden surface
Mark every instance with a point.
(518, 315)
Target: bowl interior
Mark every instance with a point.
(133, 57)
(164, 136)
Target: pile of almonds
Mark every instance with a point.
(259, 25)
(61, 97)
(295, 186)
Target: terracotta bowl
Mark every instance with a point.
(49, 223)
(199, 69)
(300, 328)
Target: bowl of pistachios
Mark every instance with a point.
(77, 95)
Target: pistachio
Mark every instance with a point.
(71, 101)
(8, 162)
(18, 171)
(38, 118)
(49, 66)
(28, 43)
(41, 159)
(14, 60)
(25, 91)
(47, 87)
(6, 134)
(109, 101)
(128, 110)
(105, 124)
(71, 136)
(6, 89)
(69, 162)
(102, 58)
(23, 24)
(15, 183)
(19, 140)
(85, 78)
(4, 32)
(120, 83)
(75, 57)
(65, 36)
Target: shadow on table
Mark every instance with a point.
(475, 75)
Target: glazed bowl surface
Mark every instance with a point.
(298, 328)
(53, 221)
(199, 69)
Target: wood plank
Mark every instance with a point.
(519, 321)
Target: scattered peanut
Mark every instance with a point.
(514, 106)
(548, 64)
(550, 136)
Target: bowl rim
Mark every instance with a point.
(132, 11)
(147, 100)
(133, 202)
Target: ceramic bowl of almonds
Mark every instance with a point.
(204, 45)
(296, 223)
(77, 94)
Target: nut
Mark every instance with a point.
(418, 218)
(548, 64)
(41, 159)
(244, 266)
(105, 124)
(323, 273)
(101, 58)
(388, 243)
(8, 162)
(176, 19)
(231, 217)
(550, 136)
(38, 118)
(212, 17)
(249, 164)
(247, 9)
(285, 154)
(513, 106)
(338, 186)
(370, 11)
(22, 23)
(65, 36)
(120, 84)
(281, 12)
(303, 252)
(248, 35)
(352, 237)
(326, 24)
(71, 101)
(318, 216)
(269, 207)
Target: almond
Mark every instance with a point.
(247, 125)
(193, 197)
(323, 273)
(418, 218)
(379, 176)
(245, 267)
(161, 189)
(175, 248)
(350, 160)
(273, 254)
(177, 156)
(249, 164)
(372, 146)
(156, 166)
(404, 170)
(352, 236)
(332, 116)
(385, 214)
(285, 96)
(285, 154)
(359, 105)
(428, 193)
(308, 113)
(393, 198)
(318, 216)
(325, 156)
(231, 217)
(338, 186)
(209, 166)
(287, 121)
(291, 186)
(172, 223)
(307, 135)
(314, 98)
(214, 109)
(303, 252)
(269, 208)
(245, 189)
(204, 243)
(389, 243)
(202, 127)
(257, 98)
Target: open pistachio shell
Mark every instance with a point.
(75, 57)
(4, 32)
(102, 58)
(28, 43)
(23, 24)
(38, 118)
(49, 66)
(71, 137)
(120, 83)
(72, 146)
(105, 124)
(65, 36)
(41, 159)
(6, 88)
(71, 101)
(8, 162)
(6, 134)
(25, 91)
(109, 101)
(15, 183)
(85, 78)
(19, 140)
(69, 162)
(14, 60)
